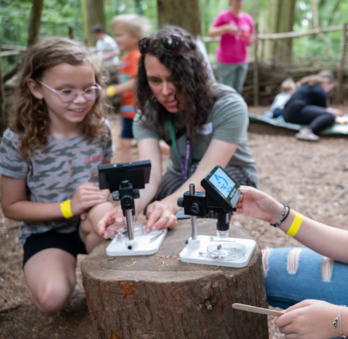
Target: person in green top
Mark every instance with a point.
(203, 122)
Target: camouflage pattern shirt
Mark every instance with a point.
(54, 172)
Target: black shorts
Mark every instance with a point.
(69, 242)
(127, 128)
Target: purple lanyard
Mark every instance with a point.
(185, 168)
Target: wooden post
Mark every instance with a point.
(2, 105)
(71, 32)
(158, 296)
(256, 76)
(262, 50)
(340, 71)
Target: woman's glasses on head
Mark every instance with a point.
(170, 43)
(69, 95)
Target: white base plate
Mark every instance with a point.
(191, 255)
(143, 245)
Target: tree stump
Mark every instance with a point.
(158, 296)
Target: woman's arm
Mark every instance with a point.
(326, 240)
(16, 206)
(220, 30)
(218, 152)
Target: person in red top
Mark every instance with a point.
(128, 30)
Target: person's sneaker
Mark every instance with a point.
(307, 134)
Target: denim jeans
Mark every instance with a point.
(293, 274)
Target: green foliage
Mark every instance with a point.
(58, 15)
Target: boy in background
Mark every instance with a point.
(128, 30)
(107, 48)
(287, 88)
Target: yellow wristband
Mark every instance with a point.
(66, 209)
(110, 91)
(295, 226)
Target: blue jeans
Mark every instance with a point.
(293, 274)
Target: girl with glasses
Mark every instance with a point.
(49, 161)
(203, 122)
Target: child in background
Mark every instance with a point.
(128, 30)
(288, 87)
(49, 161)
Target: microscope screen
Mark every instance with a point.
(222, 182)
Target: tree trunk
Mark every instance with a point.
(35, 22)
(93, 14)
(183, 13)
(3, 119)
(158, 296)
(281, 19)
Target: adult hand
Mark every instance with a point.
(160, 215)
(116, 215)
(309, 319)
(257, 204)
(232, 28)
(335, 111)
(86, 196)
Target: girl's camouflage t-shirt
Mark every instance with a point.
(54, 172)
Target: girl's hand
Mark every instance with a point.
(116, 215)
(260, 205)
(159, 216)
(86, 196)
(309, 319)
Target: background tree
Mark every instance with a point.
(281, 18)
(93, 14)
(183, 13)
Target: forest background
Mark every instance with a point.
(59, 15)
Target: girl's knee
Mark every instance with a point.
(53, 298)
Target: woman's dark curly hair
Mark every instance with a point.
(190, 76)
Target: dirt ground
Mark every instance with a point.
(310, 177)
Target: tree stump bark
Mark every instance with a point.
(158, 296)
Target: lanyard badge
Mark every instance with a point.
(185, 167)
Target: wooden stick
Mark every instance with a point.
(259, 310)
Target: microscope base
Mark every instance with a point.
(147, 244)
(192, 256)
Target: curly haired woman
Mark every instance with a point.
(204, 124)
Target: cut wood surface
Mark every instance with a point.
(159, 296)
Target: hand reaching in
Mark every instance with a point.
(309, 319)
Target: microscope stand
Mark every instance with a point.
(190, 254)
(147, 244)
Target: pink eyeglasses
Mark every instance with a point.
(69, 95)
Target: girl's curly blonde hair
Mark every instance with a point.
(31, 116)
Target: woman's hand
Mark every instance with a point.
(335, 111)
(257, 204)
(160, 215)
(309, 319)
(86, 196)
(116, 215)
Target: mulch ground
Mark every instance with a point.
(310, 177)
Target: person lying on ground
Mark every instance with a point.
(309, 105)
